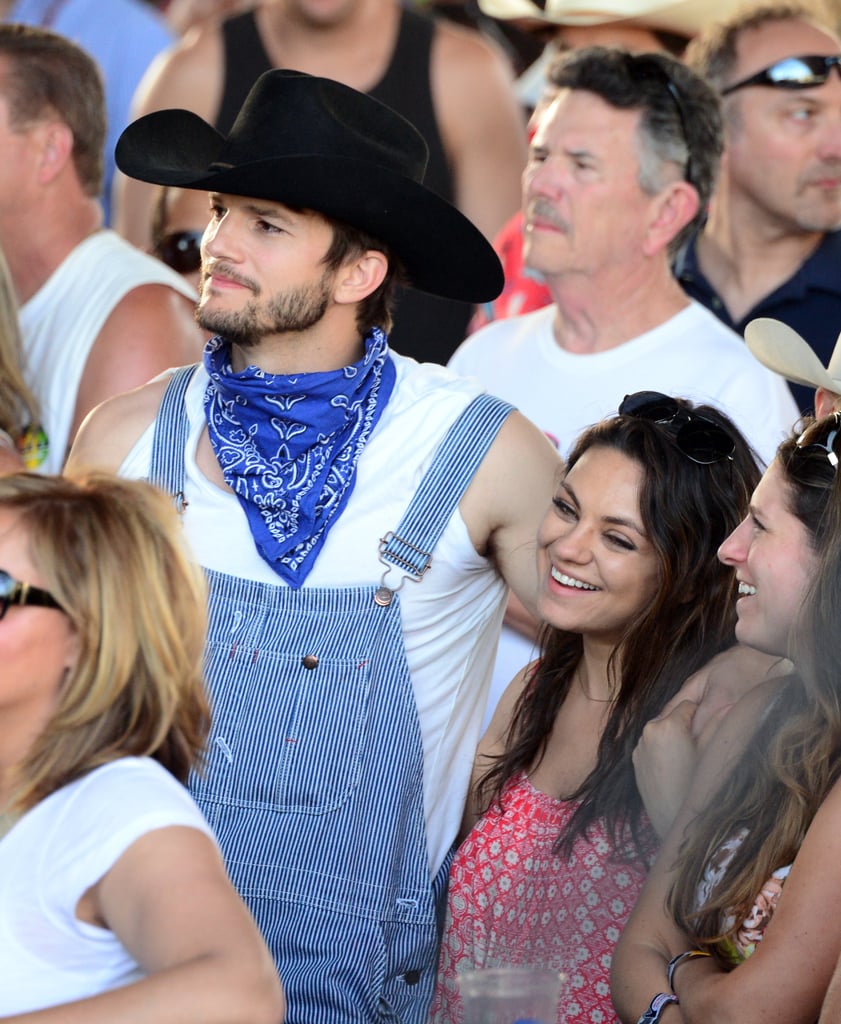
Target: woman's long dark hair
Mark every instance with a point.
(687, 509)
(794, 756)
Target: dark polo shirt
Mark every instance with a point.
(809, 302)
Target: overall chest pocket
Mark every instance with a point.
(288, 731)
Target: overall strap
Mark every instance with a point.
(169, 441)
(409, 548)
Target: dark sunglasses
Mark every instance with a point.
(181, 250)
(12, 591)
(700, 439)
(647, 67)
(791, 73)
(826, 449)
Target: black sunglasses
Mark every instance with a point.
(700, 439)
(791, 73)
(827, 449)
(649, 67)
(181, 250)
(12, 591)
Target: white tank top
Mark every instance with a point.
(62, 320)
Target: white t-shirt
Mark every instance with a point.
(52, 856)
(693, 355)
(450, 619)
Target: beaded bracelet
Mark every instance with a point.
(676, 961)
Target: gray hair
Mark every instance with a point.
(680, 122)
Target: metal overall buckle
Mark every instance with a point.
(413, 561)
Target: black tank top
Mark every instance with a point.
(425, 326)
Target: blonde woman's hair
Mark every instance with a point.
(111, 552)
(18, 407)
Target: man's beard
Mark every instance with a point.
(290, 311)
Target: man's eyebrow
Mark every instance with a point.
(260, 208)
(580, 153)
(274, 210)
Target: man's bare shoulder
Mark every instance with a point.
(111, 430)
(188, 75)
(152, 321)
(462, 42)
(463, 58)
(151, 329)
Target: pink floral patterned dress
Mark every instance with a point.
(512, 900)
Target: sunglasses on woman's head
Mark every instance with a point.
(827, 448)
(791, 73)
(15, 592)
(181, 250)
(700, 439)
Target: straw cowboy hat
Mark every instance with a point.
(312, 143)
(686, 17)
(782, 349)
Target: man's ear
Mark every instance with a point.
(360, 276)
(671, 210)
(826, 402)
(56, 142)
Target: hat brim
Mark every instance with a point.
(687, 17)
(781, 349)
(442, 251)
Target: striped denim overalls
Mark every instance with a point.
(314, 778)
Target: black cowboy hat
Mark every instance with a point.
(315, 144)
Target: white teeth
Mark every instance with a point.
(745, 589)
(569, 581)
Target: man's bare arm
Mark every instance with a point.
(482, 126)
(506, 501)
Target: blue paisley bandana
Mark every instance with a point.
(288, 445)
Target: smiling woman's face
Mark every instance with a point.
(598, 568)
(774, 562)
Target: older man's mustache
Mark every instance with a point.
(543, 211)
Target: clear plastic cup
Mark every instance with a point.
(510, 995)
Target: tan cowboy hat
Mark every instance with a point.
(687, 17)
(782, 350)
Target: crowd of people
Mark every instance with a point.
(331, 671)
